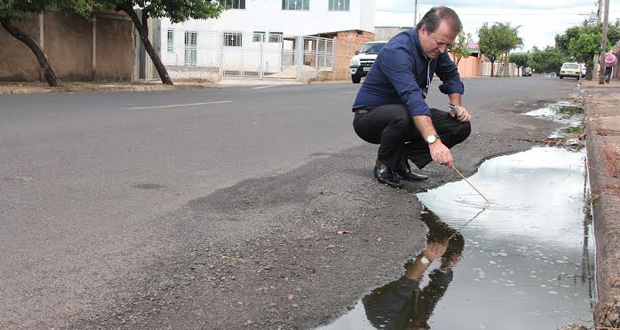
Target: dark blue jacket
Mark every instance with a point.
(401, 75)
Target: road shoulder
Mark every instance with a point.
(603, 145)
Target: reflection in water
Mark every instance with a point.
(529, 254)
(403, 304)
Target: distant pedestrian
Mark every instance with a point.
(610, 62)
(390, 107)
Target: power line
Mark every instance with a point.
(496, 14)
(502, 14)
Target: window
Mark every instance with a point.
(170, 41)
(339, 5)
(191, 48)
(233, 4)
(295, 4)
(275, 36)
(233, 39)
(258, 36)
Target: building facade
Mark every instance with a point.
(263, 38)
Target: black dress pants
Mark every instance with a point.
(391, 126)
(608, 71)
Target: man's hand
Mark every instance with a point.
(463, 116)
(453, 261)
(440, 153)
(435, 250)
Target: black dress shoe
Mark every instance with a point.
(404, 173)
(386, 175)
(410, 176)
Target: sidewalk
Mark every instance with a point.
(42, 87)
(603, 146)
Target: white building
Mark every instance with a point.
(260, 37)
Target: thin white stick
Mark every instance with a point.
(467, 223)
(464, 178)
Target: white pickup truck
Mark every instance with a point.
(363, 60)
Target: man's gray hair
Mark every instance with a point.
(432, 19)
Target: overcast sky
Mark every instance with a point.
(539, 20)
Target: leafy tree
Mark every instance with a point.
(497, 40)
(549, 59)
(521, 60)
(515, 41)
(177, 11)
(489, 44)
(562, 41)
(460, 49)
(12, 10)
(613, 32)
(584, 48)
(582, 38)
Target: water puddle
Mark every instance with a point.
(569, 114)
(524, 262)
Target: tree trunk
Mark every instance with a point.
(142, 29)
(593, 68)
(492, 65)
(29, 41)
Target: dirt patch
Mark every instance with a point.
(573, 143)
(607, 315)
(607, 132)
(611, 158)
(613, 189)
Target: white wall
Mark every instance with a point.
(367, 16)
(265, 16)
(268, 16)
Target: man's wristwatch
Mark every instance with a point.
(432, 139)
(424, 260)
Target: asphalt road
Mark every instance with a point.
(215, 209)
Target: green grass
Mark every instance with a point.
(572, 130)
(570, 109)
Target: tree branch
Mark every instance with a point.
(145, 20)
(34, 46)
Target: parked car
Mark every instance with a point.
(363, 60)
(527, 72)
(570, 69)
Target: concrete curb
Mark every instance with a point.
(73, 87)
(603, 149)
(88, 87)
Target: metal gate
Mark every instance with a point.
(232, 54)
(261, 58)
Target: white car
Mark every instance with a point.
(363, 60)
(570, 69)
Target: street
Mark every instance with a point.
(237, 207)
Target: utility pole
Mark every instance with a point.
(415, 15)
(599, 9)
(601, 74)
